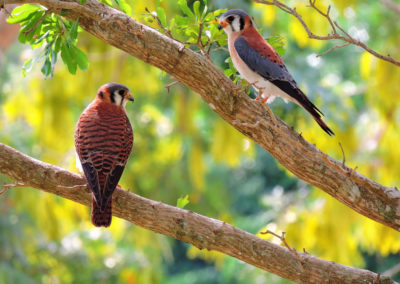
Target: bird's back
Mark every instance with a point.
(103, 141)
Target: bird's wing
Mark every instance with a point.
(92, 179)
(261, 58)
(268, 65)
(88, 168)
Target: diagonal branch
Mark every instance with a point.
(334, 26)
(363, 195)
(184, 225)
(393, 6)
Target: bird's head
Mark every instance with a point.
(114, 93)
(234, 21)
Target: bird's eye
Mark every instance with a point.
(230, 18)
(121, 92)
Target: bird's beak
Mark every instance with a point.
(221, 24)
(129, 97)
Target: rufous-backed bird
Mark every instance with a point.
(103, 142)
(260, 64)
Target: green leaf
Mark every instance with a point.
(196, 9)
(204, 10)
(278, 43)
(27, 66)
(53, 56)
(23, 13)
(185, 9)
(124, 6)
(214, 14)
(68, 59)
(182, 201)
(46, 68)
(182, 22)
(73, 32)
(161, 15)
(25, 33)
(57, 44)
(80, 57)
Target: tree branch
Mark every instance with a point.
(251, 118)
(334, 25)
(184, 225)
(391, 5)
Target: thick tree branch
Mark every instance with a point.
(334, 26)
(184, 225)
(369, 198)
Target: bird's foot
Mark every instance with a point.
(263, 100)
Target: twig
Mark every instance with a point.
(3, 7)
(334, 33)
(378, 279)
(11, 185)
(332, 48)
(283, 240)
(392, 271)
(200, 44)
(166, 30)
(38, 22)
(391, 5)
(344, 157)
(168, 86)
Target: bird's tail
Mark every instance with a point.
(101, 218)
(316, 114)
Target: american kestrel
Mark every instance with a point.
(103, 142)
(260, 64)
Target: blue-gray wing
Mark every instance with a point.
(278, 75)
(273, 72)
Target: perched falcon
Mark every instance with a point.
(260, 64)
(103, 142)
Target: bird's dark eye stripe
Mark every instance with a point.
(112, 98)
(241, 23)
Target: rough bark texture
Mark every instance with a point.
(184, 225)
(363, 195)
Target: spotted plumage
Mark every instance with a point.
(103, 142)
(260, 64)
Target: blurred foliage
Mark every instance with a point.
(183, 149)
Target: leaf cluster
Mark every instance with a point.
(195, 27)
(41, 27)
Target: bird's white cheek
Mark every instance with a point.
(118, 100)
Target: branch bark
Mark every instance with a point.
(248, 116)
(184, 225)
(334, 26)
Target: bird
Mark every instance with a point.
(258, 63)
(103, 143)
